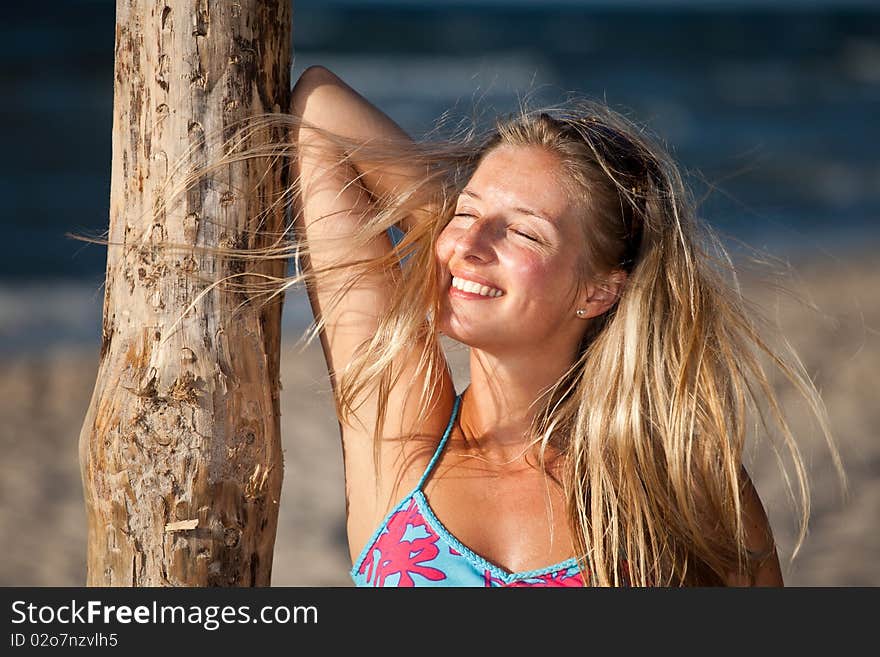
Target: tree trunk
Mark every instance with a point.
(180, 450)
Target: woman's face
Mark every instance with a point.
(517, 232)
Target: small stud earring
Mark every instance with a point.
(581, 312)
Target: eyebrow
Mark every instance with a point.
(516, 209)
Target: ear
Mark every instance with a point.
(601, 296)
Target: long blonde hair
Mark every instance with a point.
(651, 418)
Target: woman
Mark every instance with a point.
(599, 440)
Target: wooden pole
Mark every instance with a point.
(180, 450)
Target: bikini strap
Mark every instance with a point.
(442, 442)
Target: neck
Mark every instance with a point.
(500, 404)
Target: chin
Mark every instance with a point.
(478, 336)
(466, 338)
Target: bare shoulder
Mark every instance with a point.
(759, 540)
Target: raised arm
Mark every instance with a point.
(336, 197)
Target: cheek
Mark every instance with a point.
(529, 270)
(544, 283)
(444, 246)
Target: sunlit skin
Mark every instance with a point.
(523, 341)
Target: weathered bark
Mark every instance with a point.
(180, 450)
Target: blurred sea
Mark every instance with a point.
(773, 112)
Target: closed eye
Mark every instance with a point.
(526, 235)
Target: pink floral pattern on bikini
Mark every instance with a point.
(392, 554)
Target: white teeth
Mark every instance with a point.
(475, 288)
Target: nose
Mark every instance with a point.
(476, 240)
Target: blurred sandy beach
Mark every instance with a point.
(44, 397)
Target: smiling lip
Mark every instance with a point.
(455, 292)
(473, 277)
